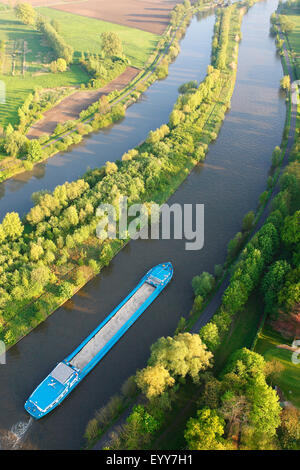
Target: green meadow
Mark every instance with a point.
(293, 14)
(137, 44)
(38, 53)
(289, 379)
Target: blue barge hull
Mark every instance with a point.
(69, 373)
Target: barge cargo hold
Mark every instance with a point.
(69, 373)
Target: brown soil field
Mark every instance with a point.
(148, 15)
(70, 107)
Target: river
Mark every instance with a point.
(150, 112)
(228, 183)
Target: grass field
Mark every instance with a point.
(294, 37)
(289, 380)
(38, 53)
(84, 34)
(138, 45)
(242, 332)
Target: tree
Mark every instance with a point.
(104, 106)
(209, 334)
(71, 215)
(61, 64)
(55, 24)
(65, 290)
(111, 44)
(285, 83)
(245, 375)
(234, 245)
(291, 229)
(248, 221)
(153, 380)
(203, 284)
(25, 13)
(12, 225)
(289, 295)
(272, 283)
(110, 167)
(276, 156)
(205, 432)
(235, 296)
(176, 117)
(246, 364)
(36, 251)
(53, 66)
(210, 396)
(140, 426)
(235, 409)
(34, 151)
(40, 275)
(185, 354)
(15, 143)
(289, 430)
(265, 410)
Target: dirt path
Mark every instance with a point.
(70, 107)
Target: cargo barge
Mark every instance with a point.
(69, 373)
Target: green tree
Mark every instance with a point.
(205, 432)
(25, 13)
(203, 284)
(153, 380)
(111, 44)
(183, 355)
(285, 83)
(140, 426)
(12, 225)
(291, 229)
(265, 410)
(209, 334)
(272, 282)
(248, 221)
(65, 290)
(110, 167)
(235, 296)
(61, 64)
(34, 151)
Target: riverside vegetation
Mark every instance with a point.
(98, 69)
(229, 403)
(54, 251)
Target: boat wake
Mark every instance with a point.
(13, 439)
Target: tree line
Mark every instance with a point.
(55, 232)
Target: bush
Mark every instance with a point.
(203, 284)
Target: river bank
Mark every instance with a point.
(79, 253)
(125, 93)
(228, 184)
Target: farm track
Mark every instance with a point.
(70, 107)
